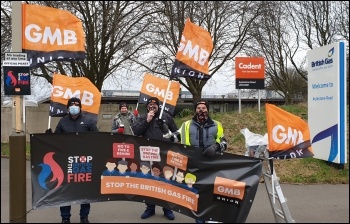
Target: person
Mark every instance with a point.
(123, 121)
(203, 132)
(75, 121)
(151, 126)
(110, 165)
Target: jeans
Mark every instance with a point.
(153, 207)
(84, 211)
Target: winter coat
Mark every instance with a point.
(117, 121)
(203, 136)
(83, 123)
(151, 129)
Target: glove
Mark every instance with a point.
(48, 131)
(175, 137)
(121, 130)
(168, 135)
(163, 126)
(178, 136)
(223, 146)
(209, 152)
(136, 113)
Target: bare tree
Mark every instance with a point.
(286, 30)
(228, 23)
(342, 10)
(125, 39)
(317, 21)
(113, 32)
(5, 36)
(274, 41)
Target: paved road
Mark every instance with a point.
(306, 203)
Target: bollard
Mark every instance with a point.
(18, 193)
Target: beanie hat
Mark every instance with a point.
(72, 100)
(153, 100)
(201, 101)
(122, 104)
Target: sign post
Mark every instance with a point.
(17, 140)
(250, 74)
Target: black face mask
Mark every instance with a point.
(202, 116)
(152, 108)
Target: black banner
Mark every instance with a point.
(74, 168)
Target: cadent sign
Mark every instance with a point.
(250, 73)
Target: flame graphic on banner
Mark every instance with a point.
(10, 79)
(50, 167)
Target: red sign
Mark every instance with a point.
(123, 150)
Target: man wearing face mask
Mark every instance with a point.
(203, 132)
(75, 121)
(151, 126)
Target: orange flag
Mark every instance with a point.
(288, 135)
(192, 58)
(51, 34)
(65, 87)
(153, 86)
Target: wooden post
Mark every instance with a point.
(17, 140)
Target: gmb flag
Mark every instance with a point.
(65, 87)
(153, 86)
(193, 53)
(288, 135)
(51, 34)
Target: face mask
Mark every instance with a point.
(74, 110)
(154, 108)
(202, 116)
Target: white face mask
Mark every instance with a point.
(74, 110)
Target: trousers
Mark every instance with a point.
(153, 207)
(84, 211)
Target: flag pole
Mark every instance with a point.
(49, 125)
(166, 94)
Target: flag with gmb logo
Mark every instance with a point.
(65, 87)
(192, 58)
(154, 86)
(288, 134)
(50, 34)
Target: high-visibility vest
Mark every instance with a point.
(185, 132)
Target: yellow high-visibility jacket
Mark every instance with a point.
(203, 136)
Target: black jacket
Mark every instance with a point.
(83, 123)
(151, 129)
